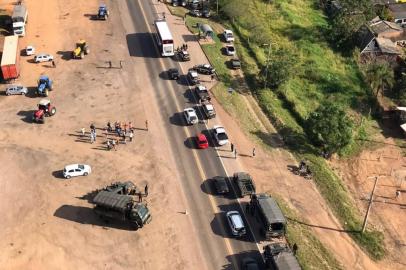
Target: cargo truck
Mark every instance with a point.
(244, 183)
(270, 215)
(19, 18)
(10, 58)
(278, 256)
(112, 205)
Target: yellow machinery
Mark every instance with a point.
(81, 49)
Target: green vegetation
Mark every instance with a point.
(329, 127)
(317, 74)
(311, 253)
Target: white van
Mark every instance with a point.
(228, 35)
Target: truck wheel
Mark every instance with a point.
(85, 174)
(46, 92)
(68, 176)
(53, 111)
(82, 55)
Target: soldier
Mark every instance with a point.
(146, 190)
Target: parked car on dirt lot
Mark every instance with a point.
(16, 90)
(208, 110)
(206, 13)
(202, 142)
(76, 170)
(236, 223)
(220, 135)
(190, 116)
(230, 49)
(29, 50)
(43, 57)
(195, 13)
(235, 63)
(204, 69)
(228, 35)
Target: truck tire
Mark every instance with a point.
(53, 111)
(82, 55)
(46, 92)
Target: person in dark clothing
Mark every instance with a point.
(294, 248)
(146, 190)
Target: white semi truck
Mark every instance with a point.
(19, 17)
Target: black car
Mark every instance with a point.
(249, 263)
(220, 185)
(196, 13)
(173, 73)
(183, 55)
(206, 13)
(204, 69)
(235, 63)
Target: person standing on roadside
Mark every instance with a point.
(235, 153)
(131, 135)
(232, 147)
(253, 152)
(146, 125)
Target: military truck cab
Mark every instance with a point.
(279, 256)
(121, 207)
(270, 215)
(244, 183)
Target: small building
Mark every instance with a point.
(206, 31)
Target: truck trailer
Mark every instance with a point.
(19, 18)
(10, 58)
(121, 207)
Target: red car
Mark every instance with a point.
(202, 142)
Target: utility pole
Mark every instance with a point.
(217, 8)
(371, 199)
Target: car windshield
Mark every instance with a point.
(222, 136)
(277, 226)
(193, 118)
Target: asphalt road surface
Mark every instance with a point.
(195, 167)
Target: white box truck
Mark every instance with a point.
(19, 17)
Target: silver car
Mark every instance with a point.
(16, 90)
(43, 57)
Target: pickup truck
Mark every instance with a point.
(208, 110)
(202, 93)
(244, 183)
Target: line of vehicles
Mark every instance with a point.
(271, 221)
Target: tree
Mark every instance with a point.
(232, 8)
(379, 75)
(281, 66)
(329, 126)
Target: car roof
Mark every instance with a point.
(44, 101)
(228, 31)
(192, 72)
(236, 219)
(201, 87)
(42, 54)
(201, 137)
(219, 129)
(71, 166)
(209, 106)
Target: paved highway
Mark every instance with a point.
(206, 211)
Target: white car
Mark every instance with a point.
(228, 35)
(43, 57)
(191, 116)
(29, 50)
(16, 90)
(76, 170)
(230, 50)
(220, 135)
(236, 223)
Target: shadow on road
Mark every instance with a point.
(177, 119)
(86, 215)
(147, 49)
(190, 143)
(235, 261)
